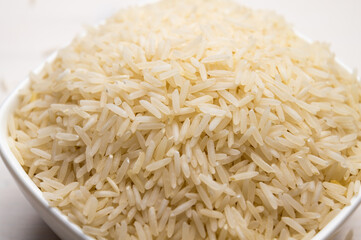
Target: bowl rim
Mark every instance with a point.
(26, 184)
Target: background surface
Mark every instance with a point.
(31, 30)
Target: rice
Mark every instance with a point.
(243, 176)
(40, 153)
(294, 224)
(157, 165)
(192, 120)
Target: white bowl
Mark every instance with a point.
(59, 222)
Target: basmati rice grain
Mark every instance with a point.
(140, 230)
(269, 196)
(153, 221)
(40, 153)
(211, 213)
(163, 220)
(294, 224)
(261, 163)
(243, 176)
(184, 207)
(171, 225)
(158, 164)
(67, 136)
(153, 110)
(199, 224)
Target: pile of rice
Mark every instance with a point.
(192, 119)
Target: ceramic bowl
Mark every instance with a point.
(58, 222)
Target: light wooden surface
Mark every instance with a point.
(30, 30)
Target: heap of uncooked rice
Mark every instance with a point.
(192, 119)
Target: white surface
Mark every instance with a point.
(31, 30)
